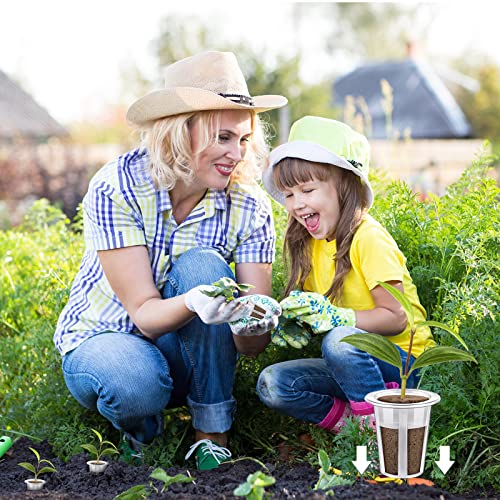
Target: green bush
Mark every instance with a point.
(451, 247)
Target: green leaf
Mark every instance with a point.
(135, 493)
(110, 443)
(159, 474)
(37, 455)
(441, 354)
(47, 462)
(178, 478)
(27, 466)
(90, 448)
(324, 460)
(444, 327)
(97, 434)
(376, 345)
(44, 470)
(401, 298)
(243, 490)
(110, 451)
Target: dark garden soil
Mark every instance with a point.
(73, 481)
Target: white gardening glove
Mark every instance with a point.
(262, 316)
(214, 310)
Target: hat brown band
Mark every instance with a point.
(239, 98)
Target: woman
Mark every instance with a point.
(163, 222)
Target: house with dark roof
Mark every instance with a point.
(422, 105)
(22, 117)
(415, 127)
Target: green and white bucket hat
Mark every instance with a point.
(324, 141)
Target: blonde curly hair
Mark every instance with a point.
(168, 141)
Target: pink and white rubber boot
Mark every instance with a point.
(336, 418)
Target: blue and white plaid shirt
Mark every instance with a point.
(123, 208)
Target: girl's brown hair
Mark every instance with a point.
(297, 244)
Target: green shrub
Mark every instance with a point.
(451, 247)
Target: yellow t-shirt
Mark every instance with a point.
(375, 257)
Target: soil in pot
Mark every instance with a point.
(415, 439)
(390, 445)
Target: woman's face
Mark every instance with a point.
(315, 205)
(214, 165)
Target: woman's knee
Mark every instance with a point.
(198, 266)
(120, 372)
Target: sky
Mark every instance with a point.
(68, 55)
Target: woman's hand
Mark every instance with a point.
(215, 310)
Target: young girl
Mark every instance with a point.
(336, 254)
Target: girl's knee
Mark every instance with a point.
(332, 345)
(267, 388)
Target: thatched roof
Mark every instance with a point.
(21, 116)
(421, 101)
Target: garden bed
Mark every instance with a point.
(73, 481)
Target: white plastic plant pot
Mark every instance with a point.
(402, 430)
(34, 484)
(97, 466)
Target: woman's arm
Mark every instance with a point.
(128, 271)
(258, 275)
(388, 317)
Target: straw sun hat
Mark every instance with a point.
(207, 81)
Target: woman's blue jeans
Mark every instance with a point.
(130, 379)
(305, 388)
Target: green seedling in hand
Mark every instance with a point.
(144, 490)
(253, 488)
(100, 452)
(382, 348)
(228, 288)
(37, 469)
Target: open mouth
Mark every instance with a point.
(311, 221)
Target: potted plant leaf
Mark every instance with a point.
(35, 483)
(402, 415)
(96, 464)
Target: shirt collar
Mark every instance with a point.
(213, 200)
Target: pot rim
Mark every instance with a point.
(433, 398)
(32, 480)
(96, 462)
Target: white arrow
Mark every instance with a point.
(361, 463)
(444, 462)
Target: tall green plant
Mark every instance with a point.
(382, 348)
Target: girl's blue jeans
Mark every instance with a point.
(305, 388)
(130, 379)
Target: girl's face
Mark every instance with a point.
(214, 165)
(315, 205)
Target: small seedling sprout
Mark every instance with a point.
(100, 452)
(38, 469)
(228, 288)
(253, 487)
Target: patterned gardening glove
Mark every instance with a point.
(317, 311)
(290, 333)
(261, 317)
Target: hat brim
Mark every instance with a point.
(174, 101)
(312, 152)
